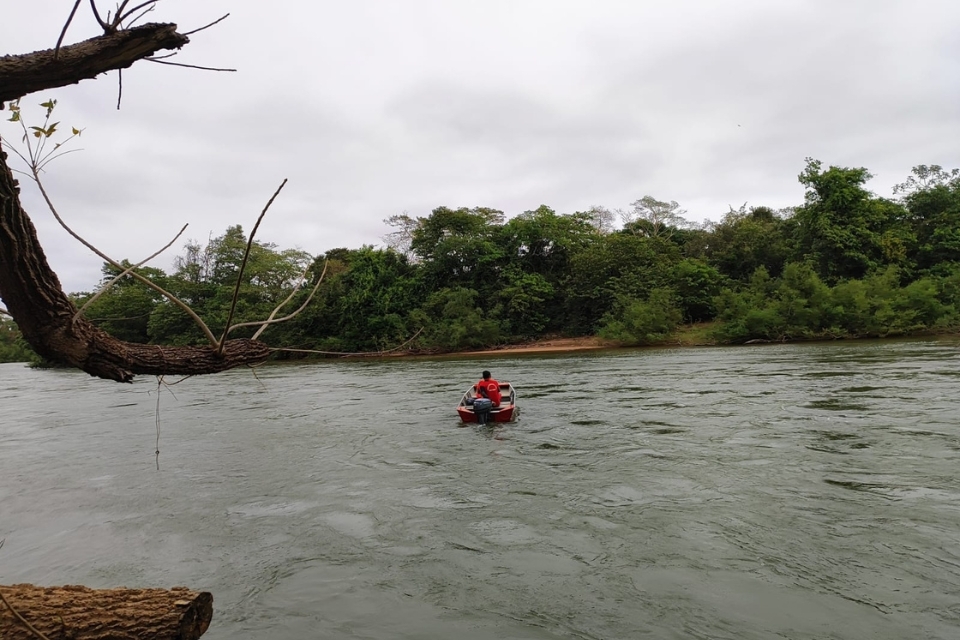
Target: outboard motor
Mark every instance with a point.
(482, 408)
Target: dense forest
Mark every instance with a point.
(845, 263)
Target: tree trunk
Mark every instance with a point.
(79, 613)
(33, 296)
(30, 289)
(23, 74)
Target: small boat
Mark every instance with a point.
(474, 409)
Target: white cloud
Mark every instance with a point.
(377, 107)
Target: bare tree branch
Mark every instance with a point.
(119, 87)
(218, 20)
(73, 12)
(169, 296)
(23, 74)
(112, 282)
(96, 14)
(243, 263)
(121, 16)
(145, 12)
(188, 66)
(263, 324)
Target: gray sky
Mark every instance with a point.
(377, 107)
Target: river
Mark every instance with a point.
(777, 491)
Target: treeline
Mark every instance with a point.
(845, 263)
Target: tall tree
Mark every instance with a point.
(654, 218)
(844, 229)
(932, 196)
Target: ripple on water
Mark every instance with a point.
(717, 499)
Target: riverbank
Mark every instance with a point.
(695, 335)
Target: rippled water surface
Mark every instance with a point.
(799, 491)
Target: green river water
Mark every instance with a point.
(779, 491)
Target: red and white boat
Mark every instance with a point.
(473, 408)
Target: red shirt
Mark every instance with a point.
(492, 388)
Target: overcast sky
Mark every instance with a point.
(378, 107)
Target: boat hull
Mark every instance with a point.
(499, 414)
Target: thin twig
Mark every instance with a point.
(169, 296)
(253, 370)
(270, 320)
(119, 87)
(189, 33)
(170, 384)
(169, 55)
(23, 620)
(96, 14)
(159, 384)
(50, 159)
(63, 33)
(145, 12)
(120, 8)
(243, 265)
(123, 16)
(107, 286)
(189, 66)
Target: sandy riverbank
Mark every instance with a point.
(546, 346)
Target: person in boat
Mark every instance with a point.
(489, 388)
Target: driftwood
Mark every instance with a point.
(79, 613)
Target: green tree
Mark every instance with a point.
(654, 218)
(524, 303)
(745, 240)
(932, 197)
(458, 248)
(452, 320)
(696, 285)
(124, 309)
(844, 229)
(640, 322)
(13, 348)
(612, 266)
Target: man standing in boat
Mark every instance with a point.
(489, 388)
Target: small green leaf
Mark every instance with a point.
(76, 131)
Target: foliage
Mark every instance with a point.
(452, 320)
(12, 346)
(639, 322)
(844, 264)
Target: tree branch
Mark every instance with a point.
(35, 299)
(263, 324)
(124, 273)
(23, 74)
(243, 264)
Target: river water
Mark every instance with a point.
(782, 491)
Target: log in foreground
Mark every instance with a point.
(79, 613)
